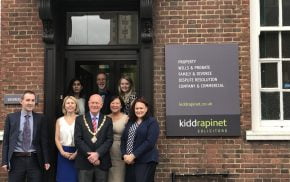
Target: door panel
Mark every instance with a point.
(86, 66)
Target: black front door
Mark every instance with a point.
(84, 37)
(86, 64)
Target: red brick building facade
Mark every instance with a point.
(174, 22)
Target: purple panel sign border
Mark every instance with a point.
(202, 90)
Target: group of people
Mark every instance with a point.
(114, 141)
(125, 91)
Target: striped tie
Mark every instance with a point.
(95, 124)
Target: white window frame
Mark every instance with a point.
(264, 130)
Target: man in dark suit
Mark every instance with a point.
(103, 91)
(93, 140)
(25, 143)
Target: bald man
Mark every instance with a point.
(93, 139)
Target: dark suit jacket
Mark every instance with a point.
(145, 141)
(39, 140)
(84, 144)
(106, 105)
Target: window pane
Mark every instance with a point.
(286, 12)
(286, 75)
(269, 75)
(108, 28)
(269, 45)
(90, 30)
(269, 12)
(128, 29)
(81, 29)
(286, 105)
(99, 29)
(270, 105)
(286, 44)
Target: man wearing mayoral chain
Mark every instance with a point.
(93, 140)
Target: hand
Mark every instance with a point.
(97, 162)
(73, 156)
(46, 166)
(126, 159)
(129, 159)
(93, 157)
(66, 154)
(5, 168)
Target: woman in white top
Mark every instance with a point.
(64, 140)
(75, 89)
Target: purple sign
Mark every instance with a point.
(202, 90)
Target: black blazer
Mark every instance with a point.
(39, 140)
(84, 144)
(146, 137)
(106, 105)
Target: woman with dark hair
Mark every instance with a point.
(117, 171)
(138, 143)
(126, 91)
(75, 89)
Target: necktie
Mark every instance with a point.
(26, 134)
(131, 137)
(95, 124)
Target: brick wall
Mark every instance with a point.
(21, 54)
(212, 21)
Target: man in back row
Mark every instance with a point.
(25, 143)
(103, 91)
